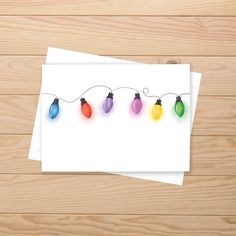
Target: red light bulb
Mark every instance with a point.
(85, 108)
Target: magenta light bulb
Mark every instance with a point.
(137, 103)
(108, 103)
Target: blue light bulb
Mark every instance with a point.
(54, 109)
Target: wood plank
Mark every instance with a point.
(110, 7)
(119, 35)
(112, 194)
(14, 153)
(214, 115)
(114, 225)
(213, 155)
(17, 113)
(210, 155)
(22, 74)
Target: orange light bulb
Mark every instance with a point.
(85, 108)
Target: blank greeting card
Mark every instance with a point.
(115, 118)
(61, 56)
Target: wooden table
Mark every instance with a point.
(200, 32)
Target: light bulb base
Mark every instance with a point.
(83, 101)
(178, 99)
(56, 101)
(137, 96)
(110, 95)
(158, 102)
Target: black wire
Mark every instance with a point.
(62, 98)
(95, 86)
(145, 92)
(125, 88)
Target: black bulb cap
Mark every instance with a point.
(110, 95)
(137, 96)
(158, 102)
(83, 101)
(56, 101)
(178, 99)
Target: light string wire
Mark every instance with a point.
(125, 88)
(145, 92)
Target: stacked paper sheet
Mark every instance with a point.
(120, 141)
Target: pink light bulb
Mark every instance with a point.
(137, 103)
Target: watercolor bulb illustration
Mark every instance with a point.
(54, 109)
(85, 108)
(157, 110)
(179, 107)
(137, 103)
(108, 103)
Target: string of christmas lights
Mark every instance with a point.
(136, 105)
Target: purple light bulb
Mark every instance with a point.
(108, 103)
(137, 103)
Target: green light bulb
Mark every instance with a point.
(179, 107)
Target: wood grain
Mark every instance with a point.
(22, 74)
(15, 149)
(114, 225)
(113, 194)
(199, 32)
(214, 115)
(118, 7)
(210, 155)
(119, 35)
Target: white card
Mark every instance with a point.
(61, 56)
(119, 140)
